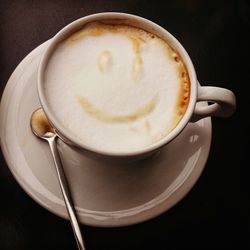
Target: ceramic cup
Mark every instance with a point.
(222, 101)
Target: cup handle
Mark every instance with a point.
(223, 103)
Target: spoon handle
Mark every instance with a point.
(66, 192)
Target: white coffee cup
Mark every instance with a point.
(223, 100)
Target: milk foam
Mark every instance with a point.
(116, 87)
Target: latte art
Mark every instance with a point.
(117, 87)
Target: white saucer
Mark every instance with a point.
(104, 194)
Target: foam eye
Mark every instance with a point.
(105, 61)
(137, 64)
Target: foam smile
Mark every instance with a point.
(100, 115)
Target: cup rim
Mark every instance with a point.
(172, 41)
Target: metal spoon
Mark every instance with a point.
(42, 129)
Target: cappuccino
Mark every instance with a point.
(116, 87)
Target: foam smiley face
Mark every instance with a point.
(122, 87)
(135, 65)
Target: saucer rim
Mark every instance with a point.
(164, 206)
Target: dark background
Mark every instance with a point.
(216, 213)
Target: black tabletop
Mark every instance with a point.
(215, 213)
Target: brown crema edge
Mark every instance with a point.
(96, 30)
(184, 94)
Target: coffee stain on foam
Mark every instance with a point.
(184, 92)
(182, 100)
(97, 29)
(105, 60)
(138, 62)
(88, 30)
(142, 127)
(147, 126)
(184, 84)
(100, 115)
